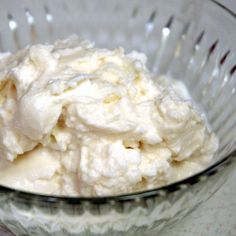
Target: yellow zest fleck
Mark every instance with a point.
(112, 98)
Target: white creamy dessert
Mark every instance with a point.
(76, 120)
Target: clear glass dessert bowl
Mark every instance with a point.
(189, 40)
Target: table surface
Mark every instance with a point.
(215, 217)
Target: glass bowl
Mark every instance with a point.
(193, 41)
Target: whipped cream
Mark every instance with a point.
(77, 120)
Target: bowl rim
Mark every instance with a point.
(134, 196)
